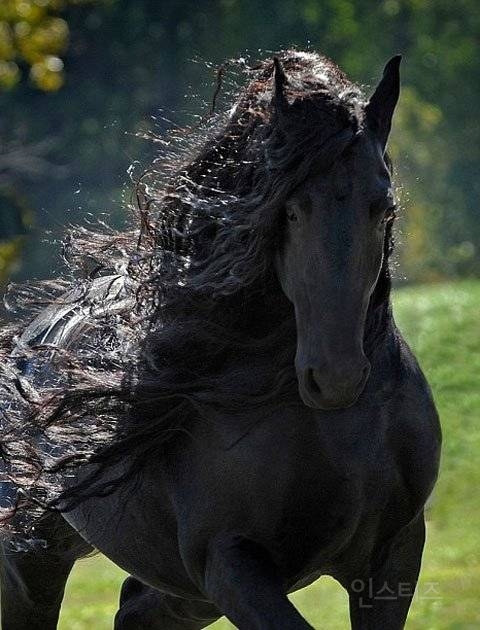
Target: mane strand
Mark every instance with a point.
(138, 342)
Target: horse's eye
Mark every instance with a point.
(291, 213)
(389, 215)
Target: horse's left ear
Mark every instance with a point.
(279, 100)
(380, 108)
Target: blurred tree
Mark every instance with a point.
(19, 162)
(32, 38)
(13, 222)
(33, 34)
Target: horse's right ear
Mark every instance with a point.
(380, 108)
(279, 100)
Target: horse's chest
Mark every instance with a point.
(293, 486)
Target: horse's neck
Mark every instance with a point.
(378, 326)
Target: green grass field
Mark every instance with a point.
(442, 324)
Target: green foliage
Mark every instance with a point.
(32, 34)
(441, 323)
(9, 254)
(14, 218)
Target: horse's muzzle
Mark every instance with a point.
(333, 389)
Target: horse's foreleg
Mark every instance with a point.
(382, 599)
(245, 585)
(33, 581)
(145, 608)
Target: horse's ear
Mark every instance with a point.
(279, 100)
(380, 108)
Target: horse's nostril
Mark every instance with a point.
(313, 380)
(365, 373)
(334, 388)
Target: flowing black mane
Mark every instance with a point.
(135, 345)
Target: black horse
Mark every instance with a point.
(220, 401)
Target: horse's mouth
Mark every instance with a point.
(340, 398)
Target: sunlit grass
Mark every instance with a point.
(442, 324)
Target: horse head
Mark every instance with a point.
(333, 242)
